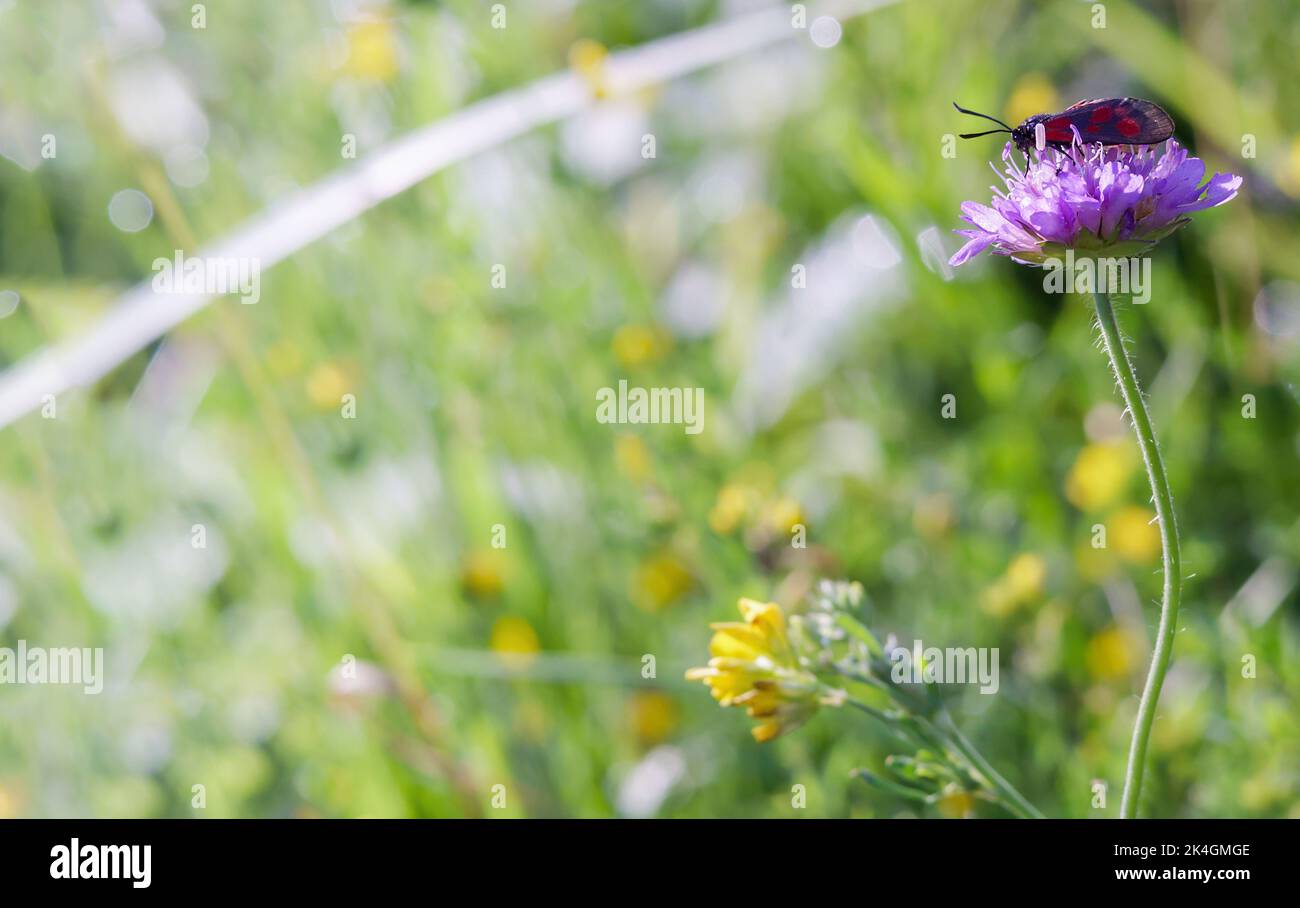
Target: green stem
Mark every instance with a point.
(945, 735)
(1164, 503)
(1017, 802)
(894, 724)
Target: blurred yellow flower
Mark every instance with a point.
(1020, 584)
(372, 51)
(632, 457)
(735, 502)
(1111, 654)
(1033, 94)
(638, 345)
(743, 504)
(8, 804)
(514, 640)
(754, 666)
(327, 384)
(1288, 170)
(283, 358)
(729, 509)
(1100, 474)
(956, 803)
(1025, 576)
(480, 574)
(654, 716)
(587, 59)
(661, 580)
(782, 514)
(1135, 538)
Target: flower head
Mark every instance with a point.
(755, 666)
(1103, 200)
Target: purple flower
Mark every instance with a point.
(1108, 200)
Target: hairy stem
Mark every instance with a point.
(1164, 504)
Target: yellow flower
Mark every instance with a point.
(1134, 536)
(327, 384)
(1099, 475)
(637, 345)
(1032, 94)
(632, 457)
(480, 574)
(1021, 584)
(1110, 654)
(514, 640)
(587, 57)
(372, 51)
(8, 804)
(754, 666)
(283, 358)
(661, 580)
(729, 509)
(654, 716)
(783, 514)
(1025, 576)
(956, 803)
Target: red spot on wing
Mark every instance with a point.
(1100, 115)
(1128, 127)
(1094, 128)
(1057, 129)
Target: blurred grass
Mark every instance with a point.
(373, 537)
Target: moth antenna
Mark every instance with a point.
(973, 113)
(976, 135)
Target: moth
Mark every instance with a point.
(1105, 121)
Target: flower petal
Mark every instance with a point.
(973, 248)
(1221, 188)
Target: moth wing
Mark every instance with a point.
(1116, 121)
